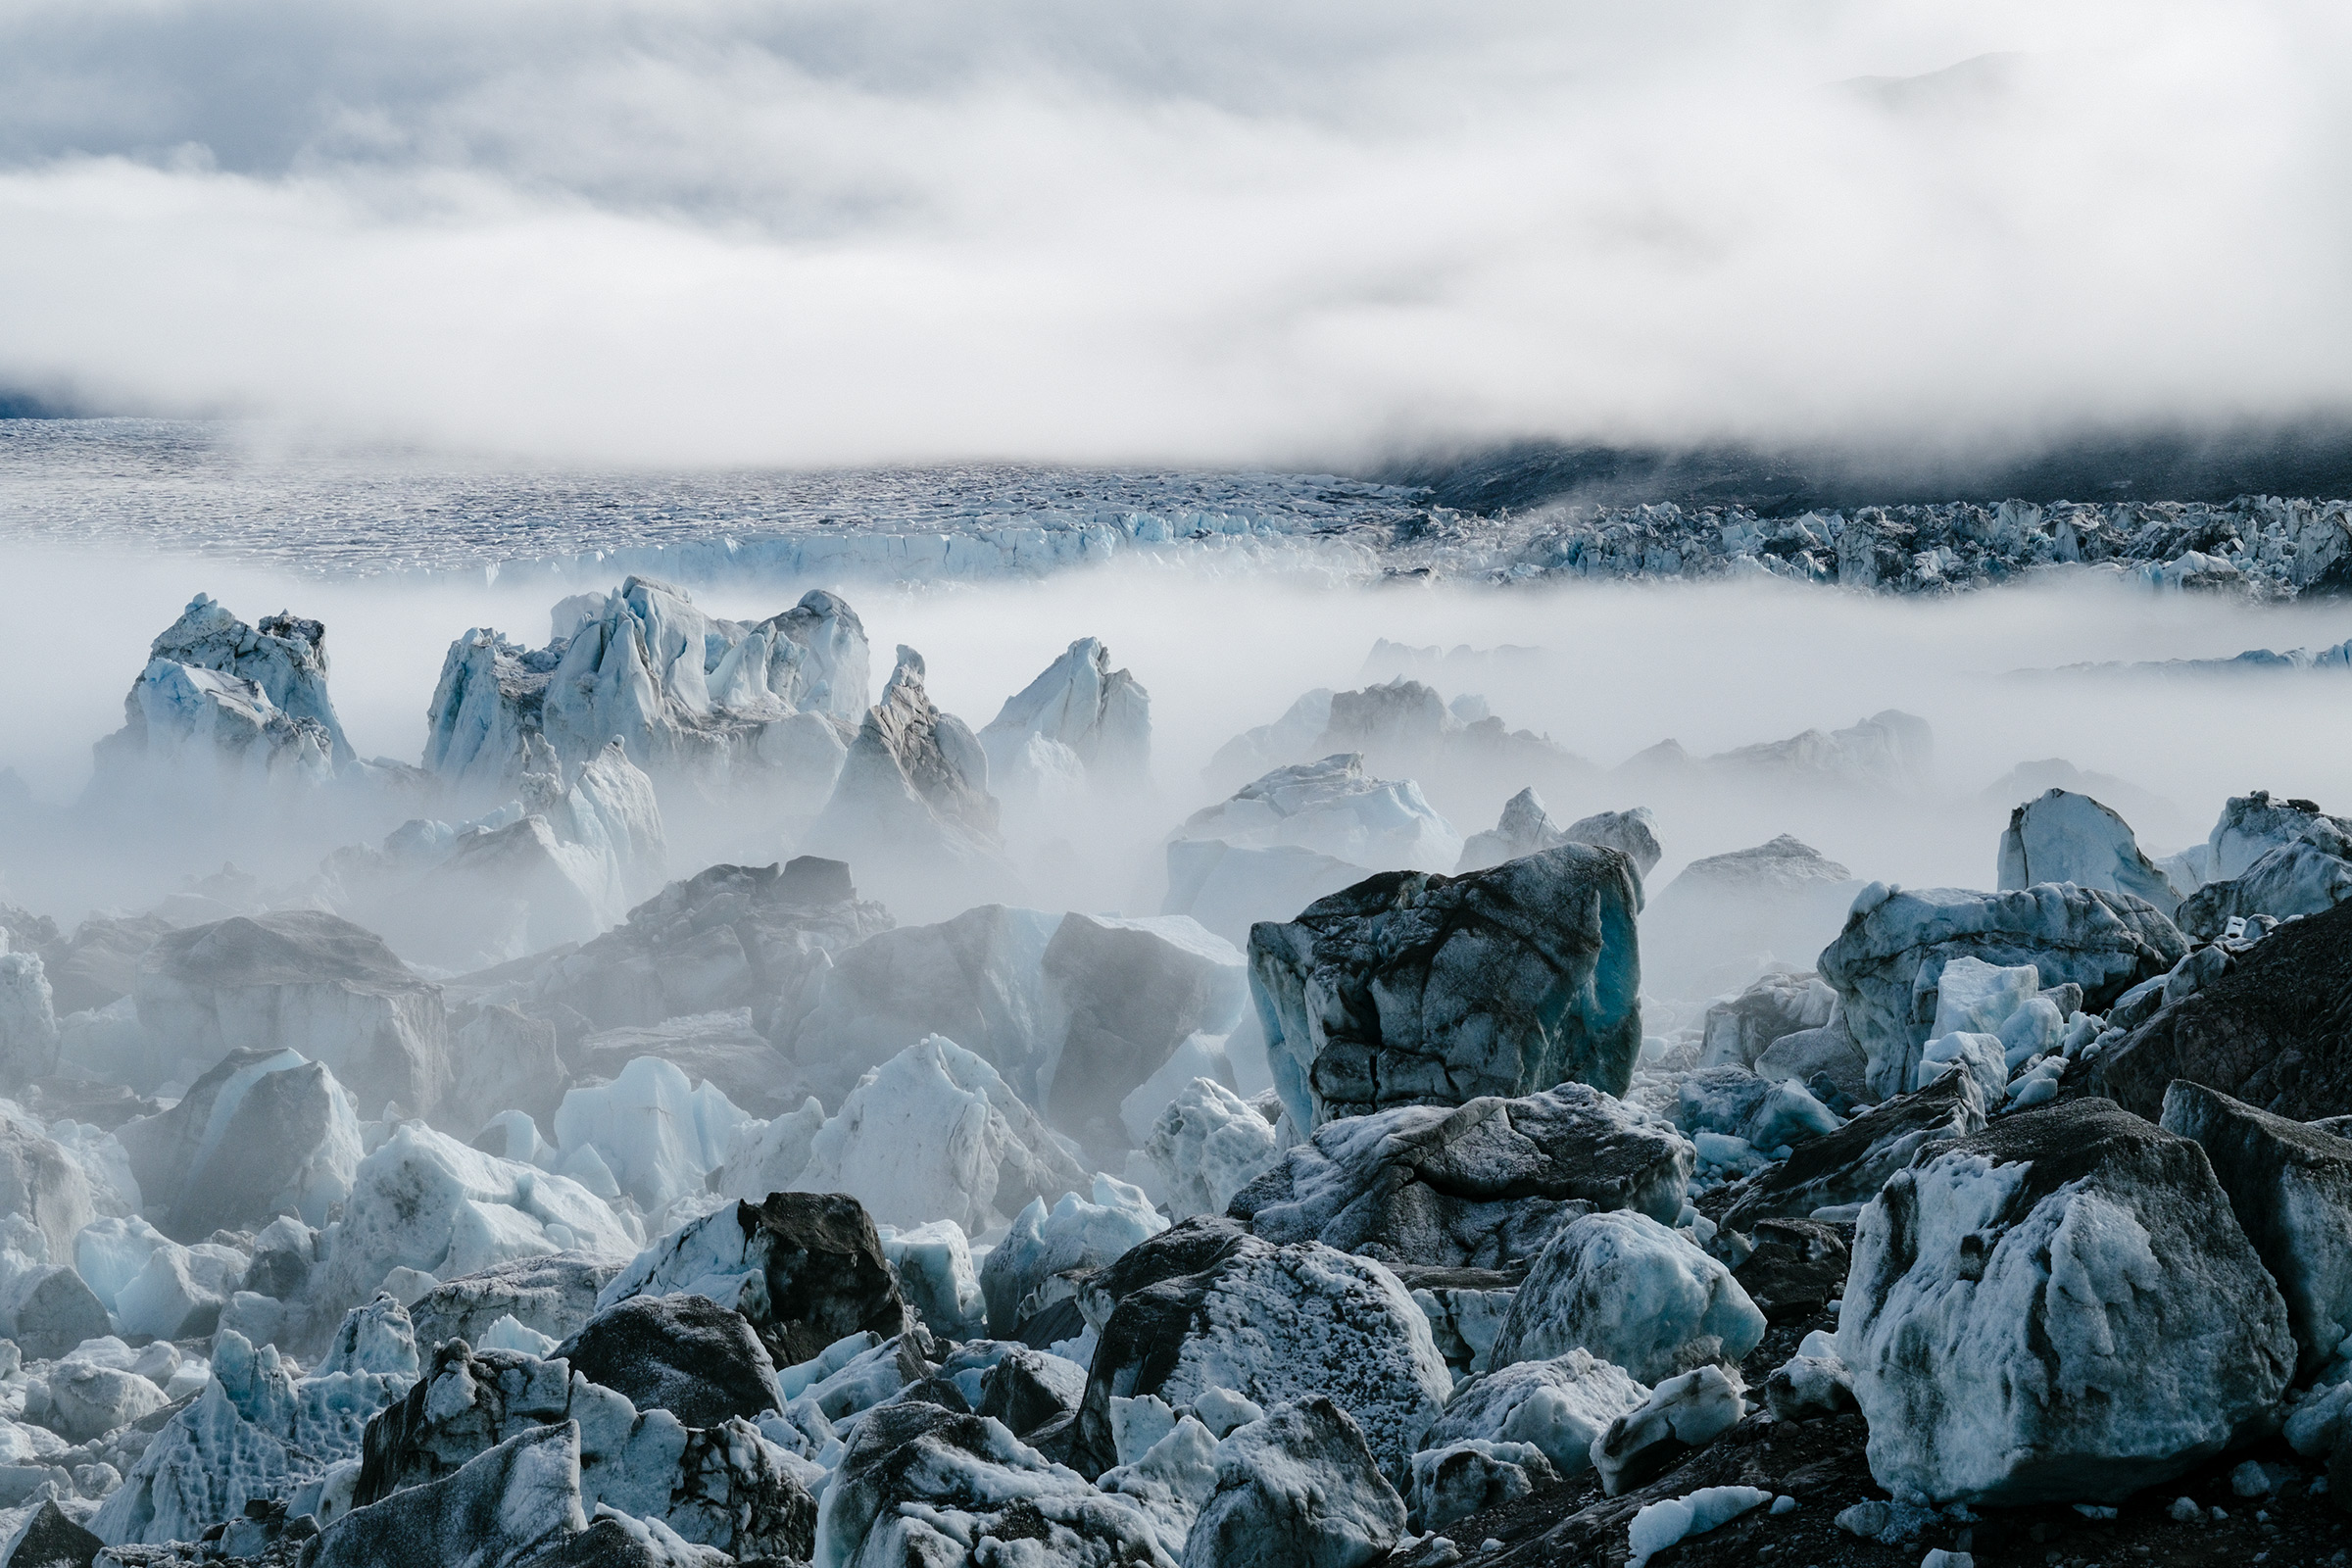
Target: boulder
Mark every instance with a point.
(682, 1353)
(50, 1540)
(922, 1484)
(1413, 989)
(1300, 1487)
(1526, 828)
(1560, 1406)
(1798, 1269)
(264, 1133)
(935, 1133)
(1629, 1291)
(1887, 963)
(2060, 836)
(2061, 1307)
(1740, 1029)
(1470, 1477)
(805, 1268)
(2290, 1187)
(729, 936)
(1205, 1305)
(1848, 1166)
(1727, 918)
(1478, 1186)
(1102, 715)
(1207, 1145)
(553, 1294)
(305, 981)
(1686, 1411)
(2273, 1032)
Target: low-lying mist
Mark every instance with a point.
(1618, 670)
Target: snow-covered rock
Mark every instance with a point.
(1674, 1520)
(1204, 1305)
(1207, 1145)
(1887, 963)
(2059, 1307)
(305, 981)
(1478, 1186)
(1813, 1382)
(428, 1202)
(729, 936)
(1686, 1411)
(935, 1133)
(1101, 716)
(1631, 1292)
(1073, 1234)
(222, 703)
(2290, 1187)
(1848, 1166)
(264, 1133)
(807, 1270)
(1500, 981)
(1727, 918)
(922, 1484)
(509, 1504)
(1741, 1029)
(1526, 828)
(1296, 1488)
(2060, 836)
(1559, 1406)
(1332, 807)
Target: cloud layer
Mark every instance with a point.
(707, 231)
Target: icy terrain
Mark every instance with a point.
(796, 1063)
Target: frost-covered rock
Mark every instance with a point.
(922, 1484)
(1207, 1145)
(935, 1133)
(1813, 1382)
(1478, 1186)
(2274, 1031)
(912, 794)
(1686, 1411)
(761, 705)
(1073, 1234)
(2059, 1307)
(806, 1269)
(1741, 1029)
(552, 1295)
(305, 981)
(1848, 1166)
(1887, 963)
(657, 1133)
(1102, 715)
(221, 702)
(1559, 1406)
(1204, 1305)
(1631, 1292)
(1298, 1489)
(1413, 989)
(1334, 807)
(1526, 828)
(2290, 1187)
(1727, 918)
(729, 936)
(2060, 836)
(264, 1133)
(428, 1202)
(1674, 1520)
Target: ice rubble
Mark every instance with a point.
(1496, 982)
(765, 705)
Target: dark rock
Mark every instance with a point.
(1476, 1186)
(1434, 990)
(2276, 1031)
(682, 1353)
(1025, 1390)
(53, 1541)
(507, 1504)
(1798, 1268)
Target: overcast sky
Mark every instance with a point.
(694, 230)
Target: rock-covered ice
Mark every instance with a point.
(1414, 988)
